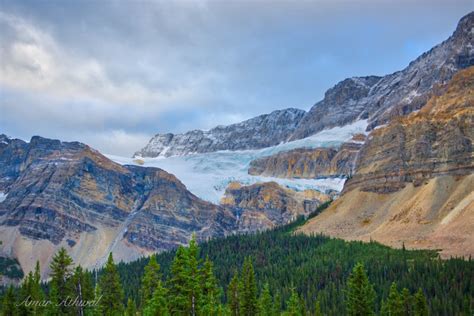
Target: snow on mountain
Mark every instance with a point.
(258, 132)
(208, 174)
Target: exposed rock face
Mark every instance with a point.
(381, 99)
(66, 194)
(61, 194)
(309, 163)
(414, 178)
(266, 205)
(437, 140)
(258, 132)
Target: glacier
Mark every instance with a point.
(207, 174)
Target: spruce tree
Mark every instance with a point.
(83, 290)
(131, 309)
(420, 307)
(293, 305)
(210, 295)
(233, 297)
(151, 280)
(360, 294)
(61, 287)
(111, 300)
(9, 306)
(193, 277)
(158, 304)
(393, 303)
(179, 283)
(407, 302)
(317, 309)
(265, 302)
(248, 290)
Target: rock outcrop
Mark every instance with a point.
(310, 163)
(263, 206)
(414, 179)
(259, 132)
(381, 99)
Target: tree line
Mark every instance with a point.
(190, 289)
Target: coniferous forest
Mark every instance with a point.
(269, 273)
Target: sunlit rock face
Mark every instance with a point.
(266, 205)
(437, 140)
(310, 163)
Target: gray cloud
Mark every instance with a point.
(113, 73)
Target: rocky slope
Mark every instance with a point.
(378, 99)
(310, 163)
(414, 178)
(397, 94)
(258, 132)
(67, 194)
(266, 205)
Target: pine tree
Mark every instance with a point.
(293, 306)
(277, 304)
(233, 297)
(210, 295)
(317, 309)
(9, 306)
(193, 277)
(151, 280)
(111, 302)
(420, 307)
(157, 305)
(265, 302)
(61, 287)
(83, 289)
(360, 294)
(248, 290)
(131, 309)
(393, 304)
(407, 302)
(179, 291)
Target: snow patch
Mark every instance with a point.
(3, 197)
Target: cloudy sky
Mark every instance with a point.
(114, 73)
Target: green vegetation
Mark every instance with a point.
(10, 268)
(269, 273)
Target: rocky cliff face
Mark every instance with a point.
(437, 140)
(258, 132)
(414, 178)
(400, 93)
(310, 163)
(67, 194)
(265, 205)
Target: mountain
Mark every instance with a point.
(66, 194)
(380, 99)
(377, 99)
(310, 163)
(414, 178)
(259, 132)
